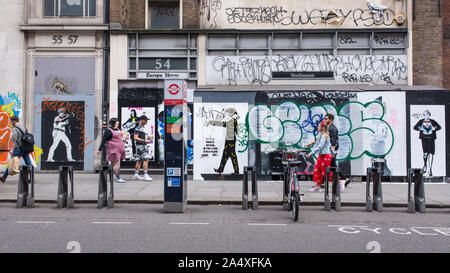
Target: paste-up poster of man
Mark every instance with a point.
(217, 139)
(63, 131)
(130, 120)
(428, 139)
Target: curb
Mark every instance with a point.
(215, 202)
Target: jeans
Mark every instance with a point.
(17, 152)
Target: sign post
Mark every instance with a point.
(175, 146)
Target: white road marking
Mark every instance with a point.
(189, 223)
(112, 223)
(257, 224)
(35, 222)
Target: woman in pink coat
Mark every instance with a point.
(115, 148)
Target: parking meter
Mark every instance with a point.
(175, 146)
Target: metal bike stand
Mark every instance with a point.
(105, 199)
(374, 175)
(335, 202)
(286, 189)
(252, 171)
(65, 198)
(25, 191)
(416, 202)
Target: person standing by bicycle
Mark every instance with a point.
(334, 139)
(322, 147)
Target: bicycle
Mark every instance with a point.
(291, 162)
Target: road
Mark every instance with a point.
(220, 228)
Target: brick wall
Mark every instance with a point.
(191, 14)
(446, 43)
(118, 13)
(136, 12)
(428, 44)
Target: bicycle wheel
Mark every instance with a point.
(296, 205)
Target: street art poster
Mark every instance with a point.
(220, 139)
(62, 132)
(428, 139)
(129, 121)
(64, 75)
(379, 132)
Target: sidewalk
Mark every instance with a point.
(216, 192)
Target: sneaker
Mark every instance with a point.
(147, 177)
(315, 189)
(120, 180)
(2, 179)
(138, 177)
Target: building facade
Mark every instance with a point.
(276, 68)
(64, 72)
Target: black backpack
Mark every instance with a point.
(27, 142)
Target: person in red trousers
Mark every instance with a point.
(322, 148)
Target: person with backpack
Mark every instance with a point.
(22, 142)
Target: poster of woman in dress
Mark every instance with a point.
(428, 139)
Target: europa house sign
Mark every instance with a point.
(166, 75)
(303, 75)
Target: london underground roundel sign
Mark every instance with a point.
(174, 89)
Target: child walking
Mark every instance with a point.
(322, 147)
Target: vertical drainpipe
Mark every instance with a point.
(106, 73)
(410, 17)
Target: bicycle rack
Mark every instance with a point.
(286, 189)
(64, 197)
(374, 174)
(105, 199)
(335, 203)
(416, 202)
(247, 170)
(25, 191)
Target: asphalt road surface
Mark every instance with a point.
(130, 228)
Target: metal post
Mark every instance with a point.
(111, 188)
(245, 189)
(336, 189)
(30, 197)
(369, 204)
(416, 193)
(327, 202)
(105, 199)
(61, 198)
(411, 205)
(101, 201)
(254, 188)
(377, 191)
(23, 194)
(65, 198)
(70, 197)
(286, 189)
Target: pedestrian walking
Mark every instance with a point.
(321, 147)
(142, 153)
(334, 140)
(115, 148)
(18, 133)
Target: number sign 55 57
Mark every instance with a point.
(58, 39)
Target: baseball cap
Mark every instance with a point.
(144, 117)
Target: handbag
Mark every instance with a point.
(13, 165)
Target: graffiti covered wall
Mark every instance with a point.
(372, 125)
(347, 69)
(271, 14)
